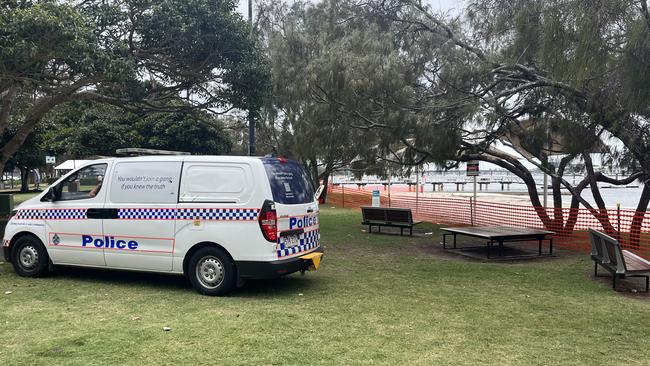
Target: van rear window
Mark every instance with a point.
(289, 181)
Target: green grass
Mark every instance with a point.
(378, 299)
(22, 197)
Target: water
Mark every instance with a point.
(627, 196)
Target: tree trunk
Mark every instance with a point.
(637, 221)
(558, 214)
(326, 179)
(24, 179)
(41, 107)
(313, 167)
(574, 210)
(601, 214)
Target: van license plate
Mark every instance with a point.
(292, 241)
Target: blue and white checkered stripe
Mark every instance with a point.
(228, 214)
(52, 214)
(308, 241)
(311, 237)
(146, 213)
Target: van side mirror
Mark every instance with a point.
(319, 192)
(51, 194)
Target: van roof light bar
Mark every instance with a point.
(136, 151)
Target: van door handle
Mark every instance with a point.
(94, 213)
(310, 210)
(101, 213)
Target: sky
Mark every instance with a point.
(452, 6)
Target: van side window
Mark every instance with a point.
(216, 182)
(83, 184)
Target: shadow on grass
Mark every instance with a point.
(115, 277)
(287, 285)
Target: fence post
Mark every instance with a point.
(618, 221)
(417, 187)
(471, 211)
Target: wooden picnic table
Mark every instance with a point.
(499, 235)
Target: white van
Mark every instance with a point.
(216, 219)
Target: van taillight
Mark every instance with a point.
(269, 221)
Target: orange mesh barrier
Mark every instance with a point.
(569, 225)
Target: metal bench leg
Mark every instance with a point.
(488, 249)
(647, 283)
(401, 231)
(500, 248)
(550, 248)
(454, 240)
(369, 229)
(614, 281)
(595, 269)
(411, 231)
(378, 228)
(540, 247)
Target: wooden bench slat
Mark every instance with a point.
(635, 263)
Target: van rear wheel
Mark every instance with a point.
(211, 271)
(30, 257)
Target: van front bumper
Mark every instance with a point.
(5, 253)
(275, 269)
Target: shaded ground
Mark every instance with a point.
(378, 299)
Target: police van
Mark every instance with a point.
(216, 219)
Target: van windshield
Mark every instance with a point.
(289, 182)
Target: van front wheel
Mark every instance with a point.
(30, 258)
(211, 271)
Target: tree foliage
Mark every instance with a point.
(509, 74)
(304, 44)
(136, 55)
(86, 129)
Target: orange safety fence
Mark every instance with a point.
(569, 225)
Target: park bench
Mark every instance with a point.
(606, 252)
(388, 216)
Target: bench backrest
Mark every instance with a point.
(386, 214)
(399, 215)
(373, 214)
(597, 245)
(609, 249)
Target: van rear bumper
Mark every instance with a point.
(273, 269)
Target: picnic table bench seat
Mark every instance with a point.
(607, 253)
(388, 216)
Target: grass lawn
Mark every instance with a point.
(22, 197)
(378, 299)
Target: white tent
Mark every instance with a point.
(70, 164)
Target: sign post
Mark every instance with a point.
(473, 171)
